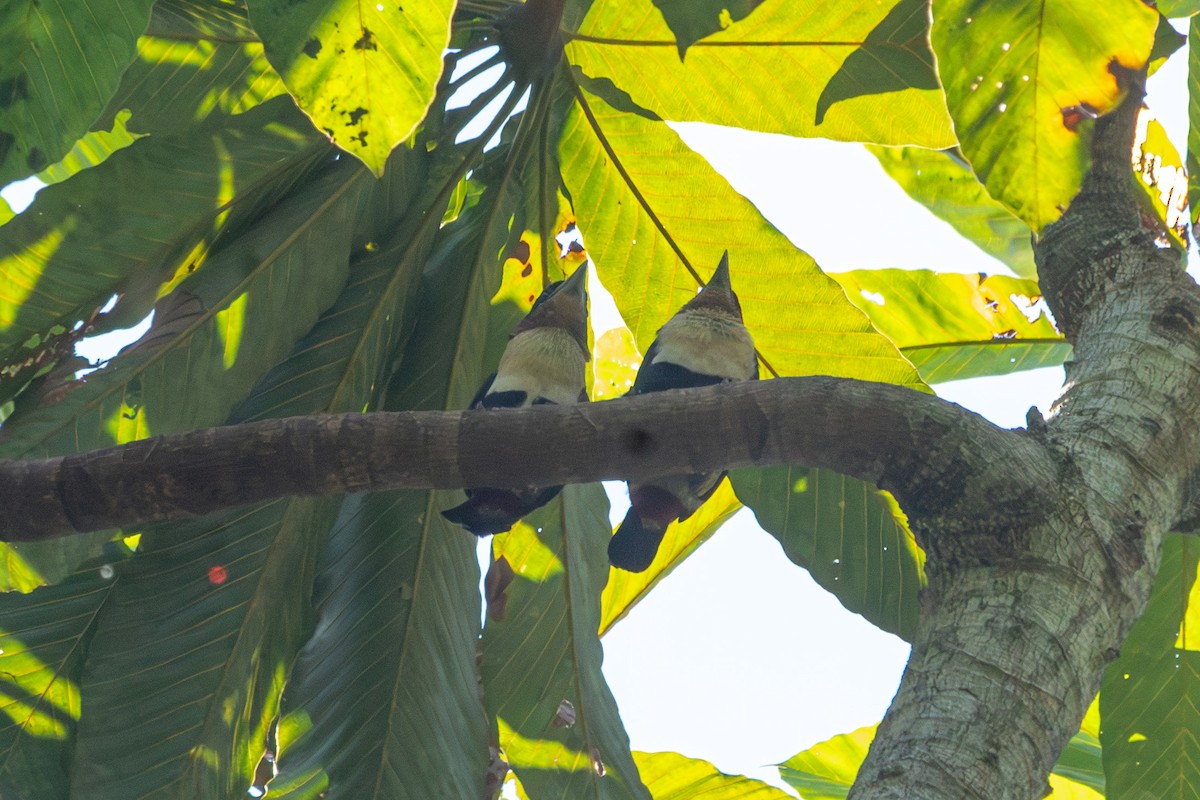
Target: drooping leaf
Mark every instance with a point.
(1166, 41)
(1022, 83)
(396, 592)
(768, 70)
(104, 231)
(671, 776)
(656, 218)
(365, 73)
(43, 646)
(942, 182)
(691, 21)
(893, 57)
(558, 721)
(954, 326)
(852, 538)
(1148, 699)
(46, 102)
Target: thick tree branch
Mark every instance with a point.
(1011, 646)
(923, 448)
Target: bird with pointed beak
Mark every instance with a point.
(703, 344)
(543, 362)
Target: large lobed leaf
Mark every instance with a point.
(62, 63)
(954, 326)
(365, 72)
(1022, 82)
(670, 776)
(852, 538)
(657, 218)
(790, 66)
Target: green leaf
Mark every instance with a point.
(691, 21)
(198, 62)
(1082, 759)
(954, 326)
(826, 771)
(767, 71)
(366, 73)
(104, 230)
(43, 644)
(397, 588)
(942, 182)
(558, 721)
(895, 56)
(656, 218)
(1023, 81)
(852, 538)
(91, 150)
(1193, 142)
(1160, 167)
(1179, 8)
(1166, 41)
(671, 776)
(62, 64)
(1148, 699)
(207, 621)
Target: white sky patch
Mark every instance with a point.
(874, 297)
(20, 194)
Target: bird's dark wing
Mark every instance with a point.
(514, 398)
(483, 390)
(665, 375)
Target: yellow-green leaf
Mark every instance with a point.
(768, 71)
(671, 776)
(1023, 82)
(954, 326)
(365, 72)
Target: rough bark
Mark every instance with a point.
(922, 448)
(1026, 604)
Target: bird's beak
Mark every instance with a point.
(576, 285)
(720, 278)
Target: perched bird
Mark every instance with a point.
(704, 343)
(543, 362)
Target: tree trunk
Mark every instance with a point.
(1028, 601)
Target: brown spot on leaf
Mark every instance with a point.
(1008, 334)
(356, 115)
(312, 47)
(525, 273)
(366, 41)
(521, 252)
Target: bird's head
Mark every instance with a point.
(717, 296)
(562, 304)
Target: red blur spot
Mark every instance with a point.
(217, 575)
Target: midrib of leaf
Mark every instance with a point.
(419, 572)
(186, 334)
(980, 343)
(594, 124)
(253, 606)
(576, 674)
(583, 37)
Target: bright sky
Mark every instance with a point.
(738, 657)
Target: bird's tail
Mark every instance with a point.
(634, 545)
